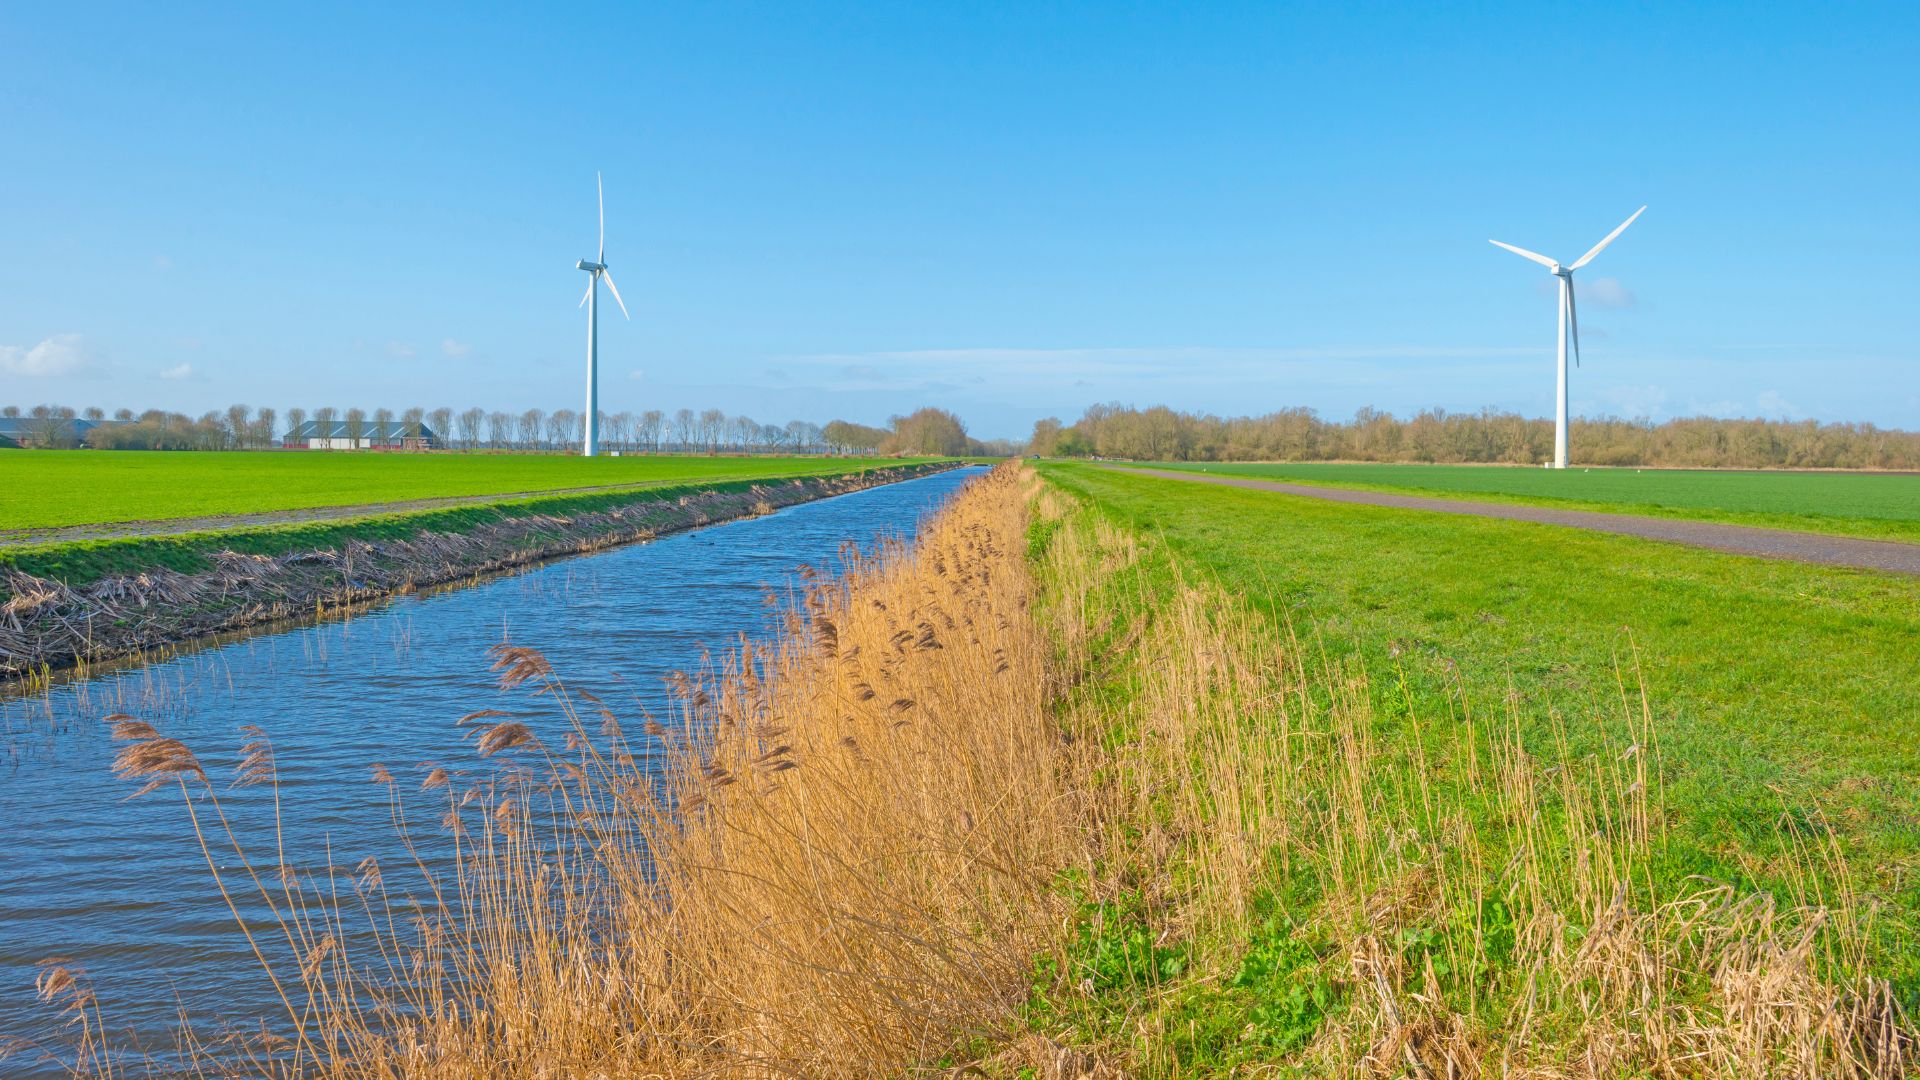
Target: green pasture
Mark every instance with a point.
(43, 489)
(1881, 506)
(1786, 697)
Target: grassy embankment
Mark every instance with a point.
(1413, 799)
(78, 562)
(45, 489)
(1867, 505)
(1131, 774)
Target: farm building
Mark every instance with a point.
(361, 435)
(46, 431)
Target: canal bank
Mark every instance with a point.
(118, 890)
(68, 606)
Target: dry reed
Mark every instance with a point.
(845, 856)
(835, 864)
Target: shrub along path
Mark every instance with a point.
(1738, 539)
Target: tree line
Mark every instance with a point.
(241, 427)
(1435, 435)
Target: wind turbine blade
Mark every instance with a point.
(601, 190)
(1588, 257)
(1573, 320)
(1525, 254)
(616, 294)
(589, 292)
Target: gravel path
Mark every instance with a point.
(1740, 539)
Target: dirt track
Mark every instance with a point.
(1739, 539)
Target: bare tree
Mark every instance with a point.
(441, 421)
(263, 427)
(94, 412)
(743, 432)
(803, 436)
(499, 430)
(356, 427)
(562, 429)
(237, 423)
(685, 426)
(295, 417)
(412, 422)
(210, 432)
(382, 430)
(652, 422)
(51, 427)
(530, 422)
(470, 423)
(122, 414)
(713, 424)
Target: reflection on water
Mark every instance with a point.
(120, 886)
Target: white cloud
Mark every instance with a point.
(1606, 292)
(178, 372)
(1185, 366)
(638, 375)
(1772, 405)
(61, 354)
(161, 262)
(1636, 402)
(455, 349)
(402, 350)
(1721, 410)
(1766, 405)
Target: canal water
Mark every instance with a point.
(120, 888)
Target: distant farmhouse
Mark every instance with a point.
(47, 431)
(364, 435)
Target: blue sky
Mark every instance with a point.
(823, 211)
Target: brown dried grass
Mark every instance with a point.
(843, 856)
(836, 863)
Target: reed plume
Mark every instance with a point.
(1024, 797)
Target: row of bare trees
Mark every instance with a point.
(54, 426)
(927, 431)
(652, 431)
(242, 427)
(1163, 434)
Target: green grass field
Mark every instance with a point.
(43, 489)
(1874, 506)
(1784, 695)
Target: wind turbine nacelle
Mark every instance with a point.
(585, 265)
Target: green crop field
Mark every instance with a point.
(1875, 506)
(1786, 697)
(42, 489)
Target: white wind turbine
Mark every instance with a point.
(1569, 325)
(597, 269)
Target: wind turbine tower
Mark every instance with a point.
(596, 270)
(1569, 328)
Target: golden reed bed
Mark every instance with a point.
(894, 827)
